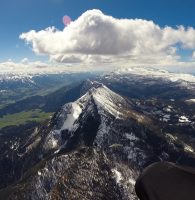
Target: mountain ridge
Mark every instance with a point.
(108, 133)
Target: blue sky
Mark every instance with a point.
(19, 16)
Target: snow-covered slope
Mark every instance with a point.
(99, 102)
(157, 73)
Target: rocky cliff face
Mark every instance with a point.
(86, 173)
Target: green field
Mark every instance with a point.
(23, 117)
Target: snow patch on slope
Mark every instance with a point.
(74, 114)
(132, 181)
(131, 136)
(108, 101)
(190, 101)
(188, 148)
(183, 119)
(117, 175)
(66, 120)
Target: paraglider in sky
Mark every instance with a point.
(66, 20)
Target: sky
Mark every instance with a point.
(102, 33)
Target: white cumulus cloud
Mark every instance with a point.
(193, 55)
(37, 67)
(98, 38)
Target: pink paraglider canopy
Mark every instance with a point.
(66, 20)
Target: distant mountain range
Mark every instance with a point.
(14, 87)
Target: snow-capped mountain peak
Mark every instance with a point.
(107, 100)
(99, 95)
(99, 103)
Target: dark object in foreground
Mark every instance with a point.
(166, 181)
